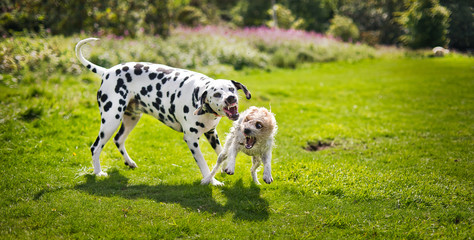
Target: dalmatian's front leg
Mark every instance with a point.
(193, 143)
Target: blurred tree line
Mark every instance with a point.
(415, 23)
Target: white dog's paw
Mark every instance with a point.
(267, 178)
(131, 164)
(101, 174)
(229, 171)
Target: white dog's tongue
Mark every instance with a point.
(249, 142)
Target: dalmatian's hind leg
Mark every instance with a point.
(110, 123)
(129, 121)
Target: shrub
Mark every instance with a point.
(425, 24)
(285, 18)
(344, 28)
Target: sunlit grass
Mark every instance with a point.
(400, 165)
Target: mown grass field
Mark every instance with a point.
(401, 165)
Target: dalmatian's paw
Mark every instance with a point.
(213, 181)
(131, 164)
(101, 174)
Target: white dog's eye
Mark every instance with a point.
(258, 125)
(217, 95)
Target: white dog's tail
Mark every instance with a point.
(94, 68)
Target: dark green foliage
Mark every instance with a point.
(425, 24)
(461, 27)
(344, 28)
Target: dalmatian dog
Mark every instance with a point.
(186, 101)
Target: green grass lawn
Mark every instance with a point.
(401, 164)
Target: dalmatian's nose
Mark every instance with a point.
(231, 100)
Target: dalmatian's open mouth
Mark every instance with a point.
(250, 141)
(231, 111)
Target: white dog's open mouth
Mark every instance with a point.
(232, 112)
(250, 142)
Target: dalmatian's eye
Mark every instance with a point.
(231, 90)
(217, 95)
(258, 125)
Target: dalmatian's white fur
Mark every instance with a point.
(184, 100)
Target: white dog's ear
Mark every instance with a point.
(243, 87)
(202, 101)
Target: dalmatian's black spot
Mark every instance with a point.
(119, 85)
(122, 102)
(117, 116)
(143, 104)
(157, 103)
(107, 76)
(121, 152)
(200, 124)
(152, 76)
(88, 66)
(103, 121)
(171, 109)
(196, 93)
(94, 70)
(146, 68)
(143, 91)
(159, 94)
(172, 98)
(160, 75)
(103, 98)
(137, 71)
(158, 87)
(102, 134)
(170, 118)
(174, 79)
(193, 130)
(125, 68)
(149, 88)
(167, 94)
(117, 72)
(185, 109)
(179, 94)
(129, 77)
(162, 109)
(119, 133)
(162, 118)
(192, 152)
(163, 81)
(119, 109)
(196, 145)
(107, 106)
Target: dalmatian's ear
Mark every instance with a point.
(243, 87)
(202, 101)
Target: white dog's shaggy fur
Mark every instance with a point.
(253, 133)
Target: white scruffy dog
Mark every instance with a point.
(253, 133)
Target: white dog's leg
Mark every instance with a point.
(232, 154)
(193, 143)
(267, 167)
(256, 161)
(210, 177)
(128, 123)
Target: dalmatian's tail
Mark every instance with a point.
(94, 68)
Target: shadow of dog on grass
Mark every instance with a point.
(244, 202)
